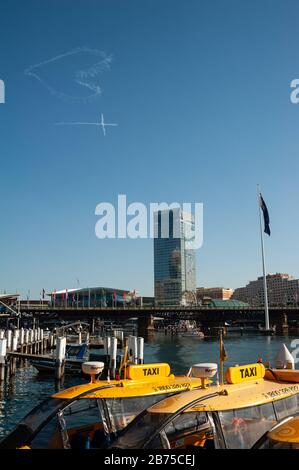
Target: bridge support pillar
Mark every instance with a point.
(212, 329)
(282, 325)
(145, 325)
(91, 326)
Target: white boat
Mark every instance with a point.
(271, 331)
(192, 334)
(189, 328)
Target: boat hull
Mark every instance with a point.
(282, 375)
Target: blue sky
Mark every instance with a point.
(201, 94)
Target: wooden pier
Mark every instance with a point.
(21, 344)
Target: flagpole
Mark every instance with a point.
(221, 359)
(267, 324)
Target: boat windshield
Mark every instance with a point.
(141, 430)
(78, 423)
(164, 430)
(243, 427)
(119, 412)
(32, 423)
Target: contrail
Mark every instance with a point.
(81, 77)
(101, 123)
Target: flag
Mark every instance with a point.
(73, 296)
(125, 295)
(133, 293)
(223, 353)
(266, 216)
(54, 294)
(114, 295)
(43, 293)
(66, 294)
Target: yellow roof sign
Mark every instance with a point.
(238, 374)
(148, 371)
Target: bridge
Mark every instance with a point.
(208, 316)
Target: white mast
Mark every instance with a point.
(267, 324)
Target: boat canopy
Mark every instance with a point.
(142, 379)
(249, 391)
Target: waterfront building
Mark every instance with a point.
(174, 259)
(283, 290)
(222, 293)
(224, 304)
(95, 297)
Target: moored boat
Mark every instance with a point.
(234, 414)
(187, 328)
(91, 415)
(193, 334)
(285, 435)
(267, 331)
(76, 354)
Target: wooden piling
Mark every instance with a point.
(26, 340)
(3, 343)
(9, 339)
(113, 354)
(41, 341)
(22, 334)
(140, 350)
(60, 357)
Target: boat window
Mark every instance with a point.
(140, 430)
(188, 429)
(159, 442)
(73, 418)
(77, 351)
(87, 407)
(76, 424)
(50, 432)
(243, 427)
(123, 410)
(286, 407)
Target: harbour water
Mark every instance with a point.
(27, 388)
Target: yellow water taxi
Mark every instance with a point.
(284, 435)
(231, 415)
(91, 415)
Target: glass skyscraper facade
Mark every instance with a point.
(174, 259)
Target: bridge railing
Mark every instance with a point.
(49, 307)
